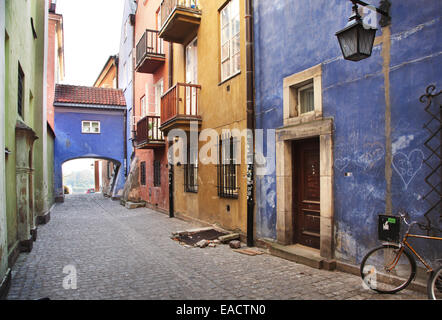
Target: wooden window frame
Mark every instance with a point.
(229, 41)
(300, 105)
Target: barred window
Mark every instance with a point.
(20, 91)
(143, 173)
(228, 168)
(156, 173)
(191, 171)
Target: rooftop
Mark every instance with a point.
(88, 97)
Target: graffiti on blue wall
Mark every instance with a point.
(368, 151)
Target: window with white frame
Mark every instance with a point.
(230, 40)
(303, 96)
(143, 107)
(306, 99)
(90, 126)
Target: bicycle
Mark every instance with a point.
(391, 267)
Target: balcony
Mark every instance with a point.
(150, 52)
(179, 107)
(148, 134)
(180, 20)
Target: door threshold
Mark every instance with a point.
(301, 254)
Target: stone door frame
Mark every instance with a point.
(298, 127)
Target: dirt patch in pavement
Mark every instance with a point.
(192, 238)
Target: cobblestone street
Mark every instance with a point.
(128, 254)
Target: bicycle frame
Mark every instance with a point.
(405, 243)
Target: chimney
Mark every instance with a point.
(52, 6)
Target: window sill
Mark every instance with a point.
(229, 78)
(229, 196)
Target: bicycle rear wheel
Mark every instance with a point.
(386, 270)
(434, 286)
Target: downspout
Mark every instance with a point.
(250, 122)
(171, 168)
(133, 20)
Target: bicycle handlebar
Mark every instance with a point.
(422, 226)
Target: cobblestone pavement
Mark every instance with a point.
(128, 254)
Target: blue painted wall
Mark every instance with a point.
(291, 36)
(70, 143)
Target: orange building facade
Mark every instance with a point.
(151, 80)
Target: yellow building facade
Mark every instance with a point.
(209, 78)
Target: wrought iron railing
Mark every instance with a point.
(180, 100)
(149, 45)
(168, 6)
(433, 144)
(148, 131)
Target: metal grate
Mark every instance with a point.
(191, 178)
(433, 144)
(156, 173)
(143, 173)
(20, 91)
(228, 168)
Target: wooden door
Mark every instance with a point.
(306, 195)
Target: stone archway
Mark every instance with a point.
(117, 177)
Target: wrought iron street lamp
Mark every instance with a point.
(357, 39)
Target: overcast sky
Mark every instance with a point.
(92, 31)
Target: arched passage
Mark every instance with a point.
(80, 175)
(89, 123)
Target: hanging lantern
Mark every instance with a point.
(357, 39)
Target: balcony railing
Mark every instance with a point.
(180, 101)
(148, 132)
(179, 19)
(150, 52)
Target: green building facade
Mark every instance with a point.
(24, 125)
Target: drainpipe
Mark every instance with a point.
(133, 80)
(170, 165)
(250, 122)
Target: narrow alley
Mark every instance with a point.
(129, 254)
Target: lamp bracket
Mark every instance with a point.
(384, 10)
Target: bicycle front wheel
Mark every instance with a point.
(434, 286)
(388, 269)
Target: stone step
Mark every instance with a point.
(299, 254)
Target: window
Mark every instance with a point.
(156, 173)
(158, 93)
(90, 126)
(20, 91)
(143, 106)
(191, 171)
(108, 171)
(228, 168)
(143, 173)
(230, 40)
(306, 99)
(302, 93)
